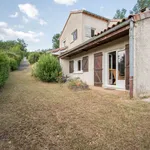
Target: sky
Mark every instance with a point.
(36, 21)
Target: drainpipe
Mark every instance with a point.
(131, 54)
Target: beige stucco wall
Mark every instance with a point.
(88, 77)
(74, 22)
(79, 21)
(93, 22)
(142, 58)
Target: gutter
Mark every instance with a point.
(97, 37)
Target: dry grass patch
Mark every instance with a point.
(41, 116)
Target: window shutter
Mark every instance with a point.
(87, 31)
(71, 66)
(127, 66)
(85, 64)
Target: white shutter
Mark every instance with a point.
(75, 66)
(87, 31)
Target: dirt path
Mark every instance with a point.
(41, 116)
(24, 65)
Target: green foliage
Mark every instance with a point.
(22, 44)
(33, 57)
(18, 59)
(139, 6)
(34, 72)
(4, 68)
(13, 64)
(17, 50)
(77, 84)
(55, 41)
(48, 68)
(120, 14)
(27, 54)
(11, 54)
(8, 45)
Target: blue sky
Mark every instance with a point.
(38, 20)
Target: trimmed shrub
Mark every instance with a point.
(13, 64)
(48, 68)
(4, 68)
(33, 57)
(77, 84)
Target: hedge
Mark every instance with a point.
(4, 68)
(13, 64)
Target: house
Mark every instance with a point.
(117, 57)
(80, 26)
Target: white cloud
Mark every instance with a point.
(42, 22)
(3, 25)
(65, 2)
(19, 26)
(30, 10)
(8, 33)
(25, 20)
(14, 15)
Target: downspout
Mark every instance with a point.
(131, 55)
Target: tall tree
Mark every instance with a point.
(120, 14)
(22, 44)
(139, 6)
(55, 41)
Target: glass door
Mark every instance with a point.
(112, 68)
(120, 69)
(116, 69)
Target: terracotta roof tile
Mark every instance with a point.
(136, 17)
(58, 49)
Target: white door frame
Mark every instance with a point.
(118, 85)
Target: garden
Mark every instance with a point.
(47, 68)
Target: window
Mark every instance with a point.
(71, 66)
(89, 32)
(64, 43)
(74, 35)
(92, 32)
(75, 66)
(79, 65)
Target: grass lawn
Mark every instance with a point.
(41, 116)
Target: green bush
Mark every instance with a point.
(48, 68)
(4, 68)
(27, 54)
(13, 64)
(18, 59)
(77, 84)
(34, 70)
(33, 57)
